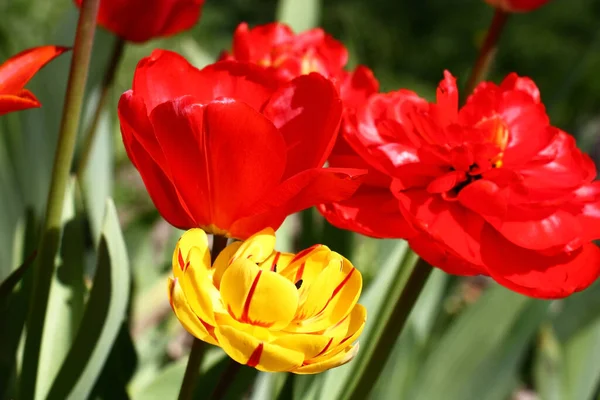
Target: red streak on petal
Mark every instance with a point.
(337, 289)
(275, 259)
(341, 285)
(180, 260)
(299, 272)
(325, 348)
(255, 357)
(244, 318)
(304, 252)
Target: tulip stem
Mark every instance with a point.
(51, 231)
(198, 347)
(107, 81)
(392, 330)
(226, 379)
(487, 52)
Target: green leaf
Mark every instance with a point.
(103, 316)
(67, 294)
(14, 309)
(566, 365)
(269, 385)
(479, 355)
(407, 356)
(299, 14)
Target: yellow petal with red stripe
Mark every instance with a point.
(325, 363)
(222, 262)
(192, 238)
(258, 247)
(248, 350)
(307, 344)
(258, 297)
(186, 316)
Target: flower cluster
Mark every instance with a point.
(487, 188)
(269, 310)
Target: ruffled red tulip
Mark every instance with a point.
(517, 5)
(142, 20)
(491, 188)
(17, 71)
(229, 149)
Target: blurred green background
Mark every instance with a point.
(467, 338)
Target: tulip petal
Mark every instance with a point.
(223, 262)
(260, 246)
(166, 75)
(370, 211)
(186, 316)
(19, 69)
(307, 344)
(307, 112)
(440, 255)
(193, 238)
(224, 157)
(306, 189)
(535, 274)
(447, 222)
(258, 297)
(248, 350)
(134, 127)
(21, 101)
(324, 363)
(335, 291)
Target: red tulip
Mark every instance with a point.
(492, 188)
(229, 149)
(17, 71)
(517, 5)
(142, 20)
(288, 55)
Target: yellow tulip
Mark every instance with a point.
(266, 309)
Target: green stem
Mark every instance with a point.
(487, 52)
(392, 330)
(198, 347)
(226, 379)
(49, 243)
(107, 82)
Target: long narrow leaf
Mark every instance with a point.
(103, 316)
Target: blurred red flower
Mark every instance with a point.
(288, 55)
(491, 188)
(517, 5)
(228, 148)
(142, 20)
(17, 71)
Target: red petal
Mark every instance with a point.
(222, 157)
(534, 274)
(166, 75)
(133, 112)
(486, 199)
(307, 112)
(159, 185)
(536, 227)
(19, 69)
(370, 211)
(523, 84)
(253, 44)
(448, 222)
(358, 86)
(304, 190)
(22, 101)
(439, 255)
(141, 20)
